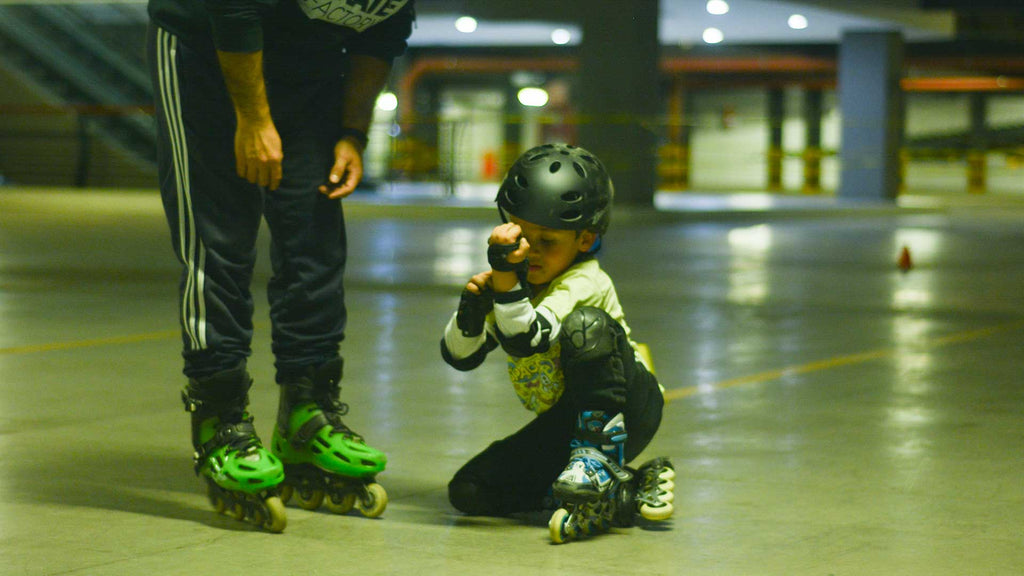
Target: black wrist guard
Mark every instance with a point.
(497, 257)
(473, 311)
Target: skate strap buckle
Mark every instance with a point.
(192, 404)
(238, 437)
(601, 437)
(312, 427)
(596, 454)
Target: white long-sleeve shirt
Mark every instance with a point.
(528, 331)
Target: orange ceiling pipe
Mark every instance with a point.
(422, 67)
(425, 66)
(753, 64)
(987, 64)
(963, 84)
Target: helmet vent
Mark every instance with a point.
(572, 196)
(521, 181)
(579, 169)
(571, 215)
(555, 167)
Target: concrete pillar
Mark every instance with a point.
(618, 93)
(419, 153)
(514, 119)
(871, 106)
(675, 162)
(776, 116)
(812, 140)
(977, 165)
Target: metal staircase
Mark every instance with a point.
(89, 57)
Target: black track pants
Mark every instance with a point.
(214, 215)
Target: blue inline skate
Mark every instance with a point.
(596, 489)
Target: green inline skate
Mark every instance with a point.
(241, 475)
(325, 462)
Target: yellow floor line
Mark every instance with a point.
(670, 394)
(828, 363)
(91, 343)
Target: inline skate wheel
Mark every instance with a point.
(218, 504)
(657, 513)
(309, 499)
(286, 493)
(272, 517)
(557, 526)
(341, 505)
(375, 501)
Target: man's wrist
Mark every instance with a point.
(355, 135)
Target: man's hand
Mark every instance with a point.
(258, 152)
(346, 172)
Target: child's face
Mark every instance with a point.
(552, 251)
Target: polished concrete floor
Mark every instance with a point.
(829, 413)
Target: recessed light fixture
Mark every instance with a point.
(713, 35)
(466, 24)
(387, 101)
(717, 7)
(561, 36)
(797, 22)
(533, 97)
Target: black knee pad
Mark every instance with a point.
(593, 349)
(588, 333)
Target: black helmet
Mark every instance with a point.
(558, 186)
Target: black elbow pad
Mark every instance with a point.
(521, 345)
(469, 362)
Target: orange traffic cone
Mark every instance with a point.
(904, 261)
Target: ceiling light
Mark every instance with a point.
(533, 97)
(713, 35)
(797, 22)
(717, 7)
(560, 36)
(387, 101)
(466, 24)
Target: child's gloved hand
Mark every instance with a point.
(506, 252)
(476, 302)
(507, 239)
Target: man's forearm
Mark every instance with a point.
(367, 77)
(243, 76)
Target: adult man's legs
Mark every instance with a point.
(214, 218)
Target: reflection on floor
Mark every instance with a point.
(829, 413)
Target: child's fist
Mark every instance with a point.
(508, 235)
